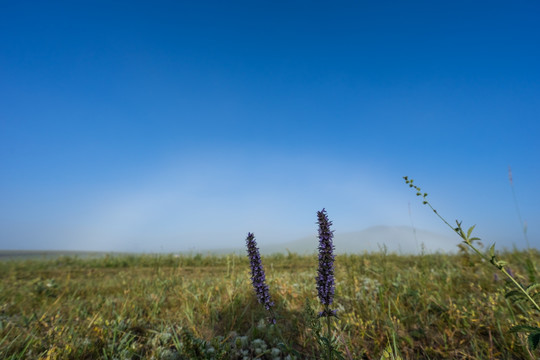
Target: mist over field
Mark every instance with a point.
(392, 239)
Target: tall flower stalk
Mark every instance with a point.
(325, 277)
(258, 278)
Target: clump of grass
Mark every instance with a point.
(427, 307)
(521, 293)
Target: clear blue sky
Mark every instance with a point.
(178, 125)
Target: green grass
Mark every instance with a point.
(167, 307)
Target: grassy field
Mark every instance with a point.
(185, 307)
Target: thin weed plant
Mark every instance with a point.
(522, 294)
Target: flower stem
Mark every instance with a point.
(329, 334)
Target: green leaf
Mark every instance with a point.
(533, 340)
(524, 328)
(492, 250)
(532, 287)
(338, 355)
(287, 349)
(522, 303)
(470, 231)
(325, 340)
(515, 293)
(387, 353)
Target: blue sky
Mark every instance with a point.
(130, 126)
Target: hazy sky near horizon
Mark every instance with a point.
(130, 126)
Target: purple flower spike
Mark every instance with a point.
(257, 276)
(325, 278)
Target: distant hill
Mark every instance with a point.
(396, 239)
